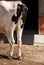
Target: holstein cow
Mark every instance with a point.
(12, 17)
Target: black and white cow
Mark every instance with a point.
(12, 18)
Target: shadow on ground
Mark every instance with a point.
(7, 57)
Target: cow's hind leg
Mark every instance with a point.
(11, 42)
(19, 41)
(12, 45)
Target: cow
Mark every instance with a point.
(12, 18)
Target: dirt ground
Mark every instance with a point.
(31, 55)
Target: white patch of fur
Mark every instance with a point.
(10, 5)
(19, 34)
(19, 41)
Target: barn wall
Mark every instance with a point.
(41, 7)
(41, 16)
(41, 24)
(39, 38)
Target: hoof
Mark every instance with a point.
(10, 57)
(19, 58)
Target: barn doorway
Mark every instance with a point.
(31, 23)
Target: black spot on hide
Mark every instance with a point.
(19, 10)
(22, 25)
(14, 19)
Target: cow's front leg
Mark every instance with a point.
(12, 44)
(19, 41)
